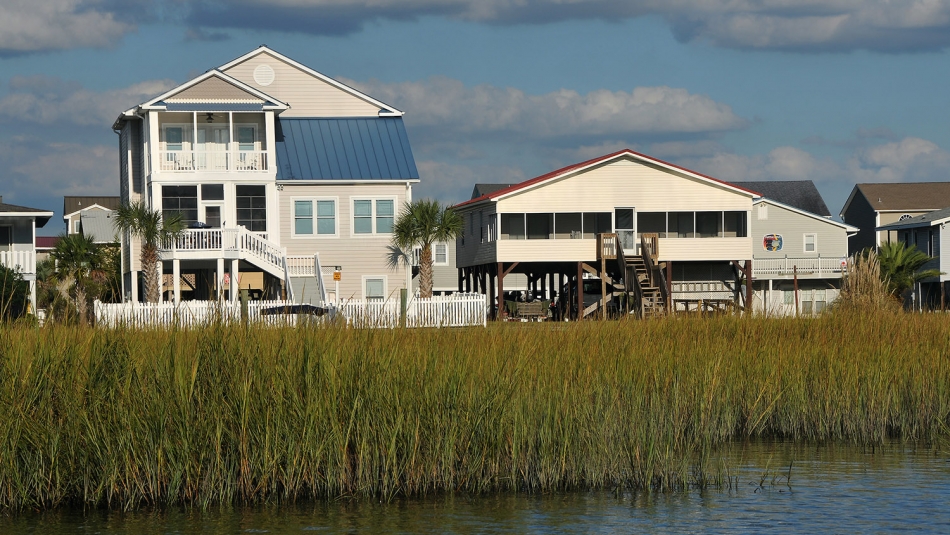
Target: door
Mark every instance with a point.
(626, 229)
(212, 147)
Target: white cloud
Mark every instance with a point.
(452, 107)
(908, 160)
(41, 25)
(32, 166)
(47, 100)
(453, 182)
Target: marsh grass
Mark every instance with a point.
(225, 414)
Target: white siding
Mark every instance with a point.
(307, 95)
(357, 255)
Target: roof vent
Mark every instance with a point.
(264, 75)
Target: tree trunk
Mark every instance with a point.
(425, 271)
(150, 274)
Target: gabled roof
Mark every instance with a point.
(389, 110)
(13, 210)
(484, 189)
(265, 101)
(73, 204)
(930, 219)
(903, 196)
(625, 153)
(768, 200)
(801, 194)
(365, 148)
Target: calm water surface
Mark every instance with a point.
(830, 489)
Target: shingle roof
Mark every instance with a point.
(801, 194)
(485, 189)
(42, 216)
(344, 149)
(907, 196)
(76, 203)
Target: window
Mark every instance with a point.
(788, 297)
(213, 216)
(569, 225)
(304, 215)
(708, 224)
(440, 254)
(6, 238)
(539, 226)
(180, 200)
(512, 226)
(212, 192)
(252, 208)
(680, 225)
(374, 287)
(596, 223)
(372, 216)
(174, 136)
(246, 137)
(76, 224)
(735, 224)
(651, 222)
(811, 243)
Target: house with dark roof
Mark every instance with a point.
(18, 226)
(644, 232)
(94, 209)
(871, 206)
(799, 252)
(927, 232)
(282, 174)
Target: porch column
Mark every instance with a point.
(161, 282)
(580, 291)
(461, 281)
(176, 283)
(767, 302)
(134, 286)
(501, 291)
(234, 274)
(219, 280)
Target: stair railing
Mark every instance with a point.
(650, 249)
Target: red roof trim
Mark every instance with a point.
(599, 159)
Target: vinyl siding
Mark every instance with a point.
(357, 255)
(213, 90)
(307, 96)
(832, 239)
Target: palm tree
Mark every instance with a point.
(153, 229)
(79, 262)
(420, 224)
(900, 267)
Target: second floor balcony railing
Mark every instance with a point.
(816, 266)
(189, 161)
(22, 261)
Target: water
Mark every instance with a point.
(829, 489)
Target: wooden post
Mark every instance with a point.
(603, 287)
(461, 279)
(403, 306)
(748, 286)
(669, 287)
(580, 291)
(795, 286)
(501, 291)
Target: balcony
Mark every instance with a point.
(21, 261)
(804, 267)
(190, 161)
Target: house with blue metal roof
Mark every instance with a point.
(289, 182)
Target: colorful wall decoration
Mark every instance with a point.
(772, 242)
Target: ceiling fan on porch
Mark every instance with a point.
(209, 118)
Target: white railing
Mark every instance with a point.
(804, 266)
(302, 266)
(251, 244)
(188, 161)
(22, 261)
(456, 310)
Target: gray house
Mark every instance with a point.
(928, 233)
(18, 226)
(871, 206)
(799, 253)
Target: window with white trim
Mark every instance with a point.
(374, 287)
(314, 217)
(811, 243)
(440, 254)
(373, 216)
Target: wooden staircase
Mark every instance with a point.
(642, 278)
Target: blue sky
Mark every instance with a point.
(835, 91)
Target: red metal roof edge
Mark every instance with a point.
(569, 168)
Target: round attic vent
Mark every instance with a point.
(905, 217)
(264, 75)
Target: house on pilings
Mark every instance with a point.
(636, 234)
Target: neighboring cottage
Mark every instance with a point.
(929, 234)
(681, 238)
(18, 226)
(91, 216)
(871, 206)
(799, 252)
(284, 176)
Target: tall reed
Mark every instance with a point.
(228, 414)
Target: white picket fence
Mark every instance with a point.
(456, 310)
